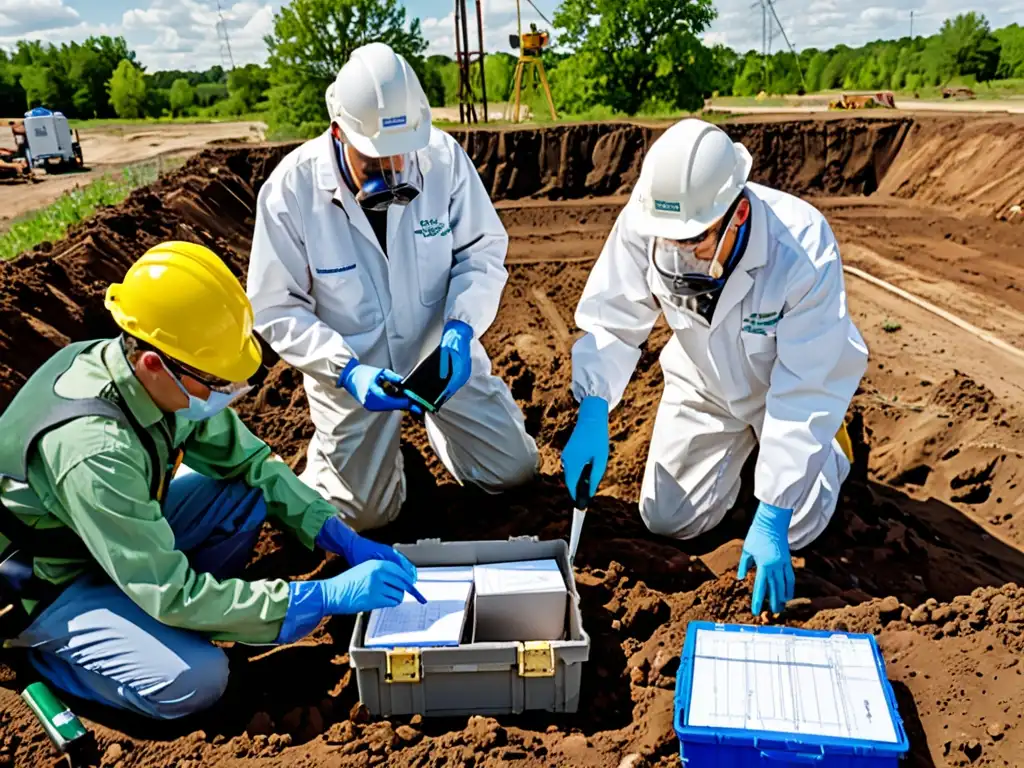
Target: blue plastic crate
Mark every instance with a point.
(728, 747)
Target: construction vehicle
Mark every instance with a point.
(882, 99)
(48, 140)
(958, 94)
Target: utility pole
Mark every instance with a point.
(788, 44)
(764, 42)
(464, 58)
(226, 56)
(911, 25)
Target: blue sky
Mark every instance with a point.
(182, 34)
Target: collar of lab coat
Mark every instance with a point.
(330, 180)
(756, 256)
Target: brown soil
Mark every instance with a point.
(923, 551)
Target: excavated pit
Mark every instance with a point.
(924, 549)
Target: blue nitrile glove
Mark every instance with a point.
(363, 382)
(767, 545)
(455, 355)
(338, 538)
(588, 443)
(373, 584)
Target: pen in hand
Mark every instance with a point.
(416, 593)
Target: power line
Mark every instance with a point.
(225, 39)
(546, 20)
(789, 44)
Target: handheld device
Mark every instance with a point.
(424, 385)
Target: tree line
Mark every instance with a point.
(614, 57)
(102, 78)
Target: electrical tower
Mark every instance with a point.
(226, 57)
(464, 57)
(768, 21)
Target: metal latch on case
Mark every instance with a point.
(536, 659)
(404, 665)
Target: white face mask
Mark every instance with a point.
(201, 410)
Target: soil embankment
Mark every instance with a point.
(923, 550)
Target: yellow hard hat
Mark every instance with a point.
(183, 300)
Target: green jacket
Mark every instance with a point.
(93, 475)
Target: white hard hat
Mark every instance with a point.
(690, 177)
(378, 102)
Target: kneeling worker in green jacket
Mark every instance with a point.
(114, 576)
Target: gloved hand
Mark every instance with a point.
(373, 584)
(369, 585)
(588, 443)
(338, 538)
(455, 355)
(364, 383)
(767, 545)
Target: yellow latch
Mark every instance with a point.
(536, 659)
(403, 665)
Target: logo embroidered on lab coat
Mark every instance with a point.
(762, 323)
(432, 228)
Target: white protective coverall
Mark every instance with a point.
(323, 291)
(777, 366)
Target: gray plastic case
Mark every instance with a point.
(476, 678)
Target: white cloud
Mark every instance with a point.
(827, 23)
(33, 16)
(182, 34)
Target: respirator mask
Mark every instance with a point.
(385, 184)
(687, 275)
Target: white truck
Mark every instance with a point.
(49, 139)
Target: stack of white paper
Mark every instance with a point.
(518, 601)
(439, 622)
(820, 686)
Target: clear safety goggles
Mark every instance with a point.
(386, 188)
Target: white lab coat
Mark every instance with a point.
(324, 292)
(777, 366)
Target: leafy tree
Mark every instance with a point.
(725, 63)
(1011, 52)
(311, 41)
(638, 50)
(247, 84)
(12, 94)
(750, 78)
(969, 46)
(182, 96)
(127, 89)
(42, 87)
(815, 70)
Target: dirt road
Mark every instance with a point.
(926, 549)
(109, 149)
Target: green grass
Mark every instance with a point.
(596, 115)
(891, 326)
(50, 223)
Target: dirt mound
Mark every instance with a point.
(901, 558)
(847, 157)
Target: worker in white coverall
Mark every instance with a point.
(764, 351)
(374, 243)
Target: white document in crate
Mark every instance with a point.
(440, 621)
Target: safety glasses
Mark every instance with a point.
(214, 384)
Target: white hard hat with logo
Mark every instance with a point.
(690, 177)
(378, 102)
